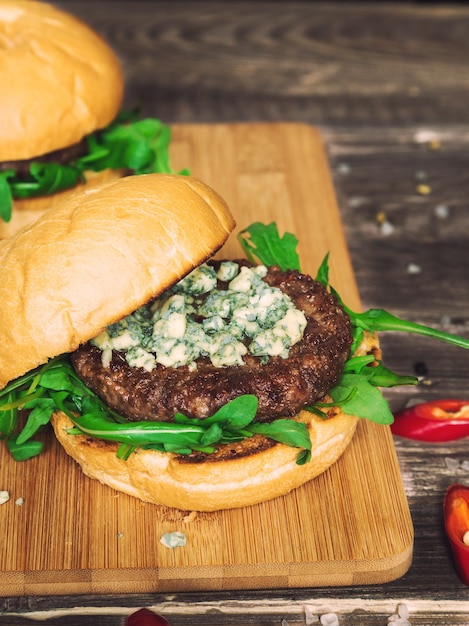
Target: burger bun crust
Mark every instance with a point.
(60, 80)
(170, 480)
(97, 257)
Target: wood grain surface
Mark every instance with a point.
(366, 64)
(387, 85)
(330, 532)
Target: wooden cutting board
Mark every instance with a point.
(350, 526)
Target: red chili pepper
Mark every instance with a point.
(456, 511)
(440, 420)
(145, 617)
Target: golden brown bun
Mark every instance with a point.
(97, 257)
(29, 210)
(166, 479)
(60, 80)
(256, 473)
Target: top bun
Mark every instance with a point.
(97, 257)
(60, 80)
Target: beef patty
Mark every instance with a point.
(283, 386)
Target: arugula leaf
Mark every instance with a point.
(63, 378)
(139, 433)
(212, 435)
(379, 320)
(322, 275)
(356, 392)
(7, 417)
(367, 401)
(6, 201)
(141, 146)
(286, 431)
(263, 242)
(24, 451)
(237, 414)
(27, 393)
(41, 411)
(381, 376)
(44, 179)
(376, 372)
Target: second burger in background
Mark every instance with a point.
(61, 124)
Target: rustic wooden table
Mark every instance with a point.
(388, 86)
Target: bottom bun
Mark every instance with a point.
(28, 210)
(231, 478)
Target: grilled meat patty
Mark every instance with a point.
(283, 386)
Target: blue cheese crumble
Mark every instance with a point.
(195, 318)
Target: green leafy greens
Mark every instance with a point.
(55, 386)
(129, 143)
(356, 391)
(263, 242)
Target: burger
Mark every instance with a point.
(61, 125)
(184, 380)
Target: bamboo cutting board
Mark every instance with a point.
(350, 526)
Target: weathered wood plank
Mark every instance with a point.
(321, 62)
